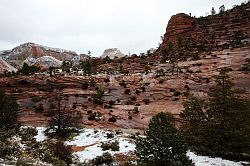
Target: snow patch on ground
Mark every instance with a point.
(91, 140)
(209, 161)
(40, 134)
(88, 137)
(91, 152)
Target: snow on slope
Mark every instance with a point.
(91, 140)
(5, 66)
(25, 45)
(209, 161)
(46, 61)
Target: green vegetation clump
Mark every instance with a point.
(26, 69)
(62, 122)
(246, 66)
(49, 151)
(163, 144)
(112, 119)
(114, 146)
(105, 159)
(97, 97)
(220, 125)
(146, 101)
(177, 93)
(127, 91)
(8, 111)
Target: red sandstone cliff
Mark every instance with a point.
(211, 32)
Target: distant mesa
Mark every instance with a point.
(112, 53)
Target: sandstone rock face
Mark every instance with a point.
(179, 25)
(112, 53)
(211, 32)
(4, 66)
(32, 50)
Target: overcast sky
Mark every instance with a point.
(94, 25)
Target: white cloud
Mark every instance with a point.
(82, 25)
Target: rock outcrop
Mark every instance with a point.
(112, 53)
(206, 33)
(179, 26)
(32, 50)
(43, 62)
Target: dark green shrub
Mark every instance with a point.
(63, 152)
(112, 119)
(114, 146)
(123, 83)
(161, 82)
(85, 86)
(146, 101)
(177, 93)
(133, 98)
(106, 158)
(163, 144)
(110, 135)
(8, 111)
(136, 110)
(127, 91)
(39, 108)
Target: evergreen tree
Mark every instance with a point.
(8, 111)
(66, 65)
(221, 125)
(26, 69)
(63, 122)
(86, 67)
(163, 145)
(222, 9)
(213, 12)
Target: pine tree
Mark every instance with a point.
(8, 111)
(26, 69)
(63, 122)
(222, 9)
(163, 145)
(221, 125)
(213, 12)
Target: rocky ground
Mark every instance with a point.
(149, 93)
